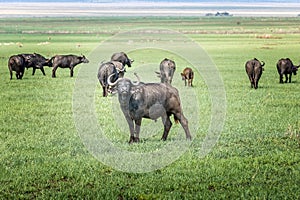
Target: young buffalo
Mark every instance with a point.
(187, 76)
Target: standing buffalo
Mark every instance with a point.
(188, 75)
(66, 61)
(286, 67)
(105, 70)
(122, 58)
(167, 68)
(36, 61)
(17, 63)
(254, 69)
(149, 100)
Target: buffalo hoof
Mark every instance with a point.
(133, 140)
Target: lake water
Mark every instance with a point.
(59, 9)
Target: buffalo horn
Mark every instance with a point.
(121, 70)
(138, 78)
(114, 83)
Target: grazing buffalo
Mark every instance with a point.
(122, 58)
(187, 76)
(149, 100)
(286, 67)
(254, 69)
(167, 68)
(16, 63)
(66, 61)
(107, 69)
(36, 61)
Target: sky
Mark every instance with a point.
(105, 1)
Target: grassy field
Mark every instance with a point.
(257, 155)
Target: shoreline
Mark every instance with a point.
(14, 10)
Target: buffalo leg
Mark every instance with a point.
(33, 71)
(255, 83)
(131, 128)
(251, 81)
(11, 74)
(290, 78)
(286, 78)
(53, 71)
(104, 88)
(71, 71)
(137, 130)
(167, 126)
(43, 71)
(190, 83)
(280, 78)
(184, 123)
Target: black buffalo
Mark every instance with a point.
(66, 61)
(286, 67)
(254, 69)
(149, 100)
(105, 70)
(167, 68)
(16, 63)
(36, 61)
(122, 58)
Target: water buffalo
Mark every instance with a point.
(36, 61)
(66, 61)
(187, 75)
(254, 69)
(149, 100)
(122, 58)
(286, 67)
(105, 70)
(167, 68)
(16, 63)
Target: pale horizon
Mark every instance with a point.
(146, 8)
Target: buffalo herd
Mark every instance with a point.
(138, 99)
(19, 62)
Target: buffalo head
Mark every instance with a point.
(124, 87)
(83, 59)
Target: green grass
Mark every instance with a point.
(256, 157)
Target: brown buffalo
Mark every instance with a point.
(187, 76)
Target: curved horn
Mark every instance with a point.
(120, 70)
(138, 78)
(262, 63)
(110, 83)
